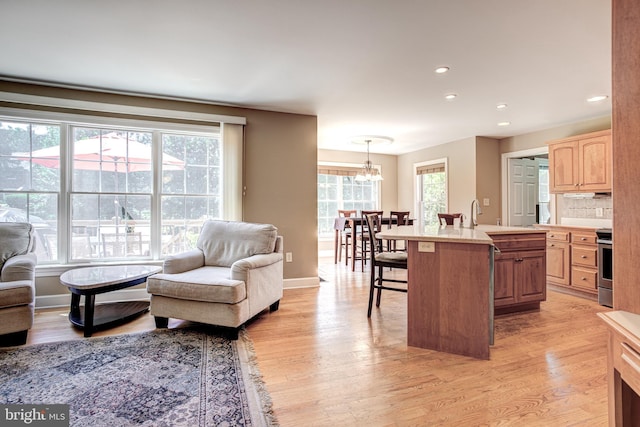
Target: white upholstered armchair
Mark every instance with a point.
(235, 273)
(17, 282)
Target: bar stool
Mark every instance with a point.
(365, 238)
(397, 218)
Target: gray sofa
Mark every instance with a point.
(235, 273)
(17, 282)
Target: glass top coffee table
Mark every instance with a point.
(89, 281)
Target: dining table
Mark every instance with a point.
(355, 224)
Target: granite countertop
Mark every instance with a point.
(478, 235)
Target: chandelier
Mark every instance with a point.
(368, 171)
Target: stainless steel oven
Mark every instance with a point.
(605, 266)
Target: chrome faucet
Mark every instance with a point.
(473, 219)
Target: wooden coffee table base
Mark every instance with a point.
(103, 316)
(90, 281)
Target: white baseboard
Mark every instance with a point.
(302, 282)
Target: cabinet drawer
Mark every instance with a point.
(558, 236)
(586, 238)
(627, 362)
(584, 255)
(513, 242)
(584, 278)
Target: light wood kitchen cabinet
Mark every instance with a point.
(558, 257)
(581, 163)
(584, 261)
(572, 259)
(519, 272)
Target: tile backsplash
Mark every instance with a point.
(585, 208)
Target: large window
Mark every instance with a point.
(29, 190)
(104, 192)
(338, 189)
(431, 191)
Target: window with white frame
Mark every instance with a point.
(107, 192)
(338, 190)
(431, 188)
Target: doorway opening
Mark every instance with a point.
(525, 188)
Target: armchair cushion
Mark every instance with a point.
(210, 284)
(225, 242)
(16, 293)
(17, 239)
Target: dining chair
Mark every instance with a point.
(364, 237)
(379, 260)
(397, 218)
(343, 235)
(448, 217)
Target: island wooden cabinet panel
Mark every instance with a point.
(519, 272)
(581, 163)
(519, 278)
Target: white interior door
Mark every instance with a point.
(523, 192)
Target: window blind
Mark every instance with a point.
(337, 170)
(427, 169)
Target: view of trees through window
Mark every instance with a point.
(342, 192)
(126, 200)
(433, 192)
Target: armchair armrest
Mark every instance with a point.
(240, 268)
(19, 267)
(185, 261)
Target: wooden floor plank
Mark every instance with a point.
(326, 364)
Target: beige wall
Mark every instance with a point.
(488, 179)
(538, 139)
(280, 172)
(461, 163)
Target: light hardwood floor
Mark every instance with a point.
(325, 364)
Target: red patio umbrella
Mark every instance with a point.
(109, 152)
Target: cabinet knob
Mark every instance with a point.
(583, 256)
(551, 235)
(583, 238)
(584, 278)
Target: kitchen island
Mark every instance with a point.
(450, 298)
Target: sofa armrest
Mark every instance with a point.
(240, 268)
(19, 267)
(185, 261)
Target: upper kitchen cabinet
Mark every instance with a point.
(581, 163)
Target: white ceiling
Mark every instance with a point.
(361, 66)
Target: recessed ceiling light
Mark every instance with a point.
(504, 123)
(501, 106)
(450, 96)
(597, 98)
(441, 70)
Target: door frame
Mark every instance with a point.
(505, 179)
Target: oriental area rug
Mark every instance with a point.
(170, 377)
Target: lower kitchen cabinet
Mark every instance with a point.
(572, 259)
(519, 272)
(559, 258)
